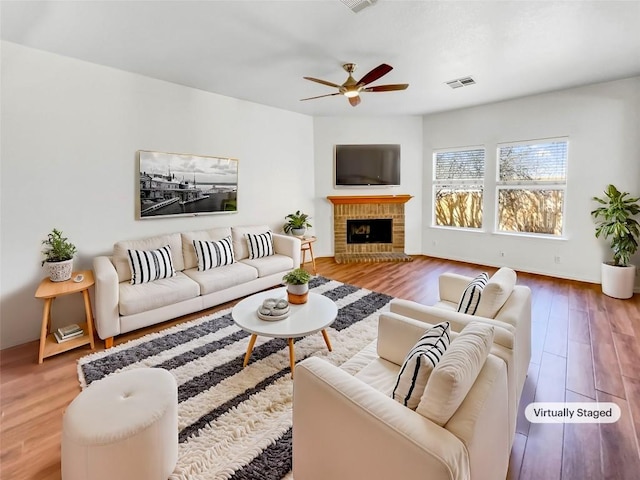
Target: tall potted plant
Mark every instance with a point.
(615, 223)
(297, 223)
(58, 256)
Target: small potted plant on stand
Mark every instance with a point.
(297, 281)
(58, 254)
(297, 223)
(615, 222)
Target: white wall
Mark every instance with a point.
(330, 131)
(70, 132)
(602, 123)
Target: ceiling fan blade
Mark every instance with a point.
(323, 82)
(375, 74)
(386, 88)
(354, 101)
(320, 96)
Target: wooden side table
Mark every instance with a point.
(307, 246)
(48, 291)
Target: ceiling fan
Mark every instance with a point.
(352, 88)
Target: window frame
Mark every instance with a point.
(458, 182)
(531, 185)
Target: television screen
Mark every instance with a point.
(363, 165)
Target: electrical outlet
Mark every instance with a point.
(501, 254)
(556, 259)
(434, 243)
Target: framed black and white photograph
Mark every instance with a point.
(172, 184)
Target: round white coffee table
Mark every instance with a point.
(317, 314)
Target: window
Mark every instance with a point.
(532, 179)
(458, 187)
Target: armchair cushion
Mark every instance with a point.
(455, 374)
(418, 364)
(471, 296)
(496, 292)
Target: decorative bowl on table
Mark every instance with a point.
(273, 309)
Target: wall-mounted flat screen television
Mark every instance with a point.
(367, 165)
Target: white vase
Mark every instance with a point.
(618, 282)
(60, 271)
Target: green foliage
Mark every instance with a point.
(299, 276)
(57, 248)
(295, 221)
(615, 222)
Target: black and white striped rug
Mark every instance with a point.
(235, 422)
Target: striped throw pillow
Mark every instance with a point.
(418, 365)
(212, 254)
(149, 265)
(260, 245)
(471, 296)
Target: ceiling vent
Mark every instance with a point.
(357, 5)
(461, 82)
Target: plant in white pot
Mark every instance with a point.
(297, 223)
(615, 223)
(297, 281)
(58, 256)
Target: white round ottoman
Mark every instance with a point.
(122, 427)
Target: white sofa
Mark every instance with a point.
(121, 307)
(503, 304)
(346, 425)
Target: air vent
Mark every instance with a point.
(357, 5)
(461, 82)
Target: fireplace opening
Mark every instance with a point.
(370, 231)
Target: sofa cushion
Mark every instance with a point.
(260, 244)
(140, 298)
(269, 265)
(455, 374)
(220, 278)
(496, 292)
(418, 364)
(240, 247)
(471, 295)
(149, 265)
(212, 254)
(188, 252)
(121, 257)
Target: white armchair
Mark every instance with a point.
(349, 427)
(503, 304)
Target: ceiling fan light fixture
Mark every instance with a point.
(351, 93)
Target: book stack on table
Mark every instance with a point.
(67, 333)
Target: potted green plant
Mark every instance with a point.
(297, 223)
(615, 223)
(58, 256)
(297, 281)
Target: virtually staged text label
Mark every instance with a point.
(572, 412)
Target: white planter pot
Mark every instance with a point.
(298, 289)
(60, 271)
(298, 232)
(618, 282)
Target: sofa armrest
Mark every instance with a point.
(287, 245)
(345, 429)
(504, 332)
(107, 318)
(451, 286)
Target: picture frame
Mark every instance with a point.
(180, 184)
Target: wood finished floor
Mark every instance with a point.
(586, 347)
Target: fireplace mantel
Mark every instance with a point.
(363, 199)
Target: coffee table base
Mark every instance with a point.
(292, 354)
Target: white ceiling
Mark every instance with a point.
(260, 50)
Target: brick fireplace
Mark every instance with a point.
(369, 228)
